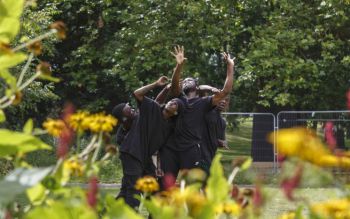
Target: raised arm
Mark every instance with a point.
(142, 91)
(163, 94)
(208, 88)
(228, 82)
(175, 79)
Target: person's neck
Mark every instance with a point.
(191, 94)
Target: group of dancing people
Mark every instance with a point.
(184, 132)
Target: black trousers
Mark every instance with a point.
(172, 161)
(132, 171)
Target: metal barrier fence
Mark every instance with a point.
(247, 136)
(316, 120)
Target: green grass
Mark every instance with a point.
(278, 204)
(239, 140)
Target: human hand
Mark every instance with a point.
(179, 54)
(163, 80)
(228, 59)
(223, 143)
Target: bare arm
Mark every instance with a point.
(142, 91)
(208, 88)
(162, 96)
(175, 79)
(228, 82)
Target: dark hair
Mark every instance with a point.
(118, 111)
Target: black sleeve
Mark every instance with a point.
(147, 106)
(222, 129)
(120, 135)
(207, 102)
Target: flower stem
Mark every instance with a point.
(38, 38)
(89, 147)
(97, 150)
(233, 175)
(30, 80)
(24, 69)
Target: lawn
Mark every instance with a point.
(277, 202)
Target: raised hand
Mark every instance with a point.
(223, 144)
(163, 80)
(228, 59)
(179, 54)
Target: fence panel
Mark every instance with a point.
(316, 120)
(246, 134)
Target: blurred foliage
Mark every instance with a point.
(284, 49)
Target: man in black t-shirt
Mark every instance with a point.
(213, 135)
(182, 150)
(148, 131)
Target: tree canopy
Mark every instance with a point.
(289, 54)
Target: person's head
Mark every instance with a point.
(223, 104)
(123, 112)
(174, 107)
(189, 84)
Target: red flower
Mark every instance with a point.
(92, 191)
(234, 192)
(67, 135)
(348, 99)
(168, 181)
(288, 185)
(8, 215)
(64, 141)
(281, 158)
(258, 199)
(330, 139)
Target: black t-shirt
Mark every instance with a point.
(121, 133)
(148, 131)
(214, 130)
(190, 123)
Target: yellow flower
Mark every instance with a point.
(337, 208)
(54, 127)
(35, 48)
(79, 121)
(74, 166)
(44, 68)
(60, 28)
(305, 144)
(101, 123)
(147, 184)
(18, 98)
(289, 215)
(228, 208)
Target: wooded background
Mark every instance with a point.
(290, 54)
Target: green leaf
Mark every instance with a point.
(117, 209)
(2, 116)
(10, 80)
(10, 60)
(36, 194)
(49, 78)
(28, 127)
(12, 143)
(11, 8)
(247, 163)
(217, 180)
(208, 212)
(161, 212)
(19, 180)
(66, 209)
(9, 28)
